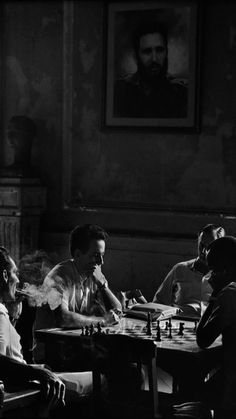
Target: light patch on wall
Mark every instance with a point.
(89, 88)
(88, 122)
(232, 36)
(212, 120)
(87, 56)
(17, 73)
(46, 21)
(203, 181)
(226, 130)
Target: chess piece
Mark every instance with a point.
(158, 332)
(181, 329)
(99, 328)
(82, 331)
(86, 330)
(167, 325)
(170, 329)
(149, 324)
(91, 329)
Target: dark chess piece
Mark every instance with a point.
(181, 329)
(86, 330)
(158, 332)
(91, 329)
(170, 329)
(149, 324)
(99, 329)
(167, 326)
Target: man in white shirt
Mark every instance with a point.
(186, 285)
(86, 297)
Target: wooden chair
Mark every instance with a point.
(22, 402)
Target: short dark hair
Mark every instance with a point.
(5, 262)
(222, 254)
(81, 236)
(211, 228)
(147, 27)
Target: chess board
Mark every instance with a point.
(138, 329)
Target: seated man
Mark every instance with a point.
(85, 294)
(86, 299)
(220, 319)
(15, 369)
(186, 285)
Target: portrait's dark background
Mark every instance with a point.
(178, 181)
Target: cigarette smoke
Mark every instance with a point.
(33, 269)
(43, 294)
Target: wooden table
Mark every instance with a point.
(131, 333)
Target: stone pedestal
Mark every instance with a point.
(22, 200)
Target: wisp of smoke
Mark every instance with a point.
(39, 295)
(33, 269)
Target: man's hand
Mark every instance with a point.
(15, 308)
(111, 318)
(52, 387)
(98, 276)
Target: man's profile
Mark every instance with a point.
(150, 92)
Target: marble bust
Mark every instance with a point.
(21, 132)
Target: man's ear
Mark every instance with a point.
(5, 276)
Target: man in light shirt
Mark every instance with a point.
(186, 285)
(86, 297)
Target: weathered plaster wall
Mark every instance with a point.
(163, 169)
(172, 170)
(33, 86)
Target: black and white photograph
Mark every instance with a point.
(151, 58)
(118, 209)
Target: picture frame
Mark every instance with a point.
(142, 91)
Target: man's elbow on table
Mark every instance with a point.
(203, 341)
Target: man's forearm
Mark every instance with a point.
(110, 300)
(70, 319)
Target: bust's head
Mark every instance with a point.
(20, 129)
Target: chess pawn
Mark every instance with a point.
(149, 324)
(158, 332)
(170, 329)
(99, 328)
(181, 329)
(91, 329)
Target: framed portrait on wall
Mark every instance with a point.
(151, 74)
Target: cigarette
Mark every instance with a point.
(26, 294)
